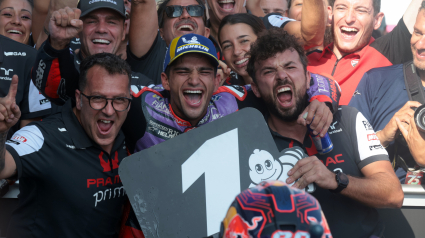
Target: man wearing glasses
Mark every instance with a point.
(67, 164)
(174, 18)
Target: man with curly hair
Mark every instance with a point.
(356, 176)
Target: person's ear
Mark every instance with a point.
(255, 90)
(161, 32)
(329, 21)
(308, 79)
(378, 20)
(78, 99)
(165, 81)
(217, 81)
(207, 32)
(124, 31)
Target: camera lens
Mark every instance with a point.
(420, 118)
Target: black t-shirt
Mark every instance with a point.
(152, 63)
(69, 186)
(355, 146)
(17, 58)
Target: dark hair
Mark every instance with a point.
(31, 2)
(376, 5)
(111, 63)
(422, 6)
(161, 11)
(254, 22)
(271, 42)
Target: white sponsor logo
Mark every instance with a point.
(201, 47)
(102, 196)
(15, 53)
(6, 71)
(333, 125)
(61, 129)
(194, 40)
(372, 137)
(95, 1)
(71, 147)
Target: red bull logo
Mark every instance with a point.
(238, 227)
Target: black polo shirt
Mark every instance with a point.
(355, 146)
(17, 58)
(69, 186)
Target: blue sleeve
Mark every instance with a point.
(362, 97)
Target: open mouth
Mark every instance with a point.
(193, 97)
(101, 42)
(421, 53)
(104, 126)
(185, 27)
(284, 96)
(226, 5)
(241, 63)
(349, 32)
(15, 32)
(270, 176)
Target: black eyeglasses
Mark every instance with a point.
(176, 10)
(99, 102)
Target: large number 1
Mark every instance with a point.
(218, 159)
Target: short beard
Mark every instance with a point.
(288, 115)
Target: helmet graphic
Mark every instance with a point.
(272, 209)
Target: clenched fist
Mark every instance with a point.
(64, 25)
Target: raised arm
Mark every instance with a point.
(9, 116)
(43, 28)
(143, 26)
(311, 29)
(39, 14)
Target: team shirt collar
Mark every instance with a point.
(329, 50)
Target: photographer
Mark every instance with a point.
(389, 104)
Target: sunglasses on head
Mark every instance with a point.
(176, 10)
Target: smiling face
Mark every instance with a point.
(263, 167)
(185, 24)
(282, 83)
(15, 20)
(277, 6)
(417, 42)
(102, 126)
(235, 42)
(103, 31)
(222, 8)
(353, 24)
(191, 82)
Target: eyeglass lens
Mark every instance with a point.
(119, 104)
(176, 11)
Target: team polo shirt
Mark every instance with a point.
(393, 48)
(380, 94)
(355, 146)
(17, 58)
(69, 186)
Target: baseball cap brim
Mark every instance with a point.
(100, 7)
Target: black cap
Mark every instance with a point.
(87, 6)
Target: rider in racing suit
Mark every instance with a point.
(151, 119)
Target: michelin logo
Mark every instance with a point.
(110, 1)
(201, 47)
(194, 40)
(15, 53)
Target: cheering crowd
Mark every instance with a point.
(92, 81)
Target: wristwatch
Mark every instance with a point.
(342, 181)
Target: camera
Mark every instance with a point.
(420, 118)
